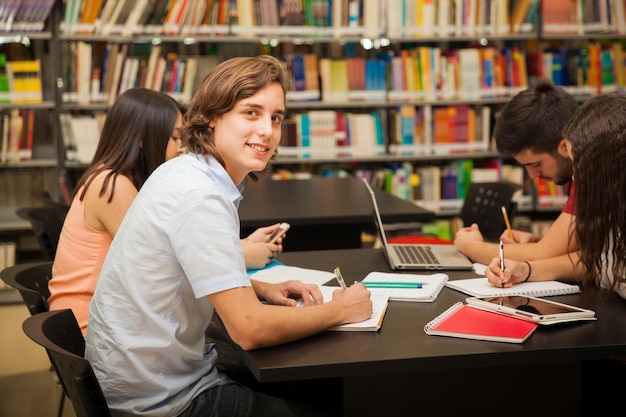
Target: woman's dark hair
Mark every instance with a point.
(534, 120)
(226, 84)
(598, 137)
(134, 138)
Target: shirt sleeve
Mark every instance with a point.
(570, 204)
(203, 232)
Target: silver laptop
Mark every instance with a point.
(418, 256)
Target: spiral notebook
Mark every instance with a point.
(480, 287)
(469, 322)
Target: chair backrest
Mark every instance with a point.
(483, 205)
(47, 222)
(58, 332)
(31, 280)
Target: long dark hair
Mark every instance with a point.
(226, 84)
(598, 136)
(133, 139)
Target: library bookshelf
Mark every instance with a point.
(405, 92)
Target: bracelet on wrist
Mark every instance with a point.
(529, 271)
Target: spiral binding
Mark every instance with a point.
(443, 316)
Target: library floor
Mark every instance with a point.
(34, 394)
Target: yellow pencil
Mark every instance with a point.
(508, 224)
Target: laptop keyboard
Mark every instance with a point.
(412, 254)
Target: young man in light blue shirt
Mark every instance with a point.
(177, 258)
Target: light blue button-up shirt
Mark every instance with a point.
(178, 243)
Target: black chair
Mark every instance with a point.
(58, 332)
(483, 206)
(31, 280)
(47, 222)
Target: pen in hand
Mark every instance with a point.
(508, 223)
(340, 278)
(501, 252)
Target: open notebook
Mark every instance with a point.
(417, 256)
(480, 287)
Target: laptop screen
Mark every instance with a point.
(377, 219)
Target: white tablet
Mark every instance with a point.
(533, 309)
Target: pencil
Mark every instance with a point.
(507, 222)
(402, 286)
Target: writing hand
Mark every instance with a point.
(356, 303)
(514, 273)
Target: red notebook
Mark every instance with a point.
(468, 322)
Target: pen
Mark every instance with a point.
(340, 278)
(507, 222)
(399, 283)
(501, 252)
(416, 285)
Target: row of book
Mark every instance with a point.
(417, 74)
(20, 81)
(549, 194)
(330, 18)
(583, 17)
(24, 15)
(323, 133)
(421, 74)
(17, 130)
(97, 73)
(330, 132)
(446, 128)
(393, 18)
(427, 73)
(458, 18)
(442, 188)
(81, 133)
(594, 68)
(209, 17)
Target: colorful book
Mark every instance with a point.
(25, 81)
(467, 322)
(518, 14)
(297, 72)
(560, 17)
(28, 131)
(16, 124)
(5, 90)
